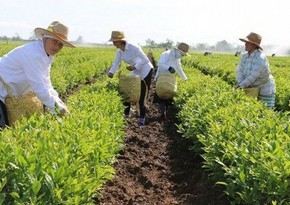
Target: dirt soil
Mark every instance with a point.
(156, 168)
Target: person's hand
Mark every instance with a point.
(63, 112)
(171, 70)
(110, 75)
(131, 68)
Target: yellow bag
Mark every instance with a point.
(130, 88)
(252, 92)
(23, 106)
(166, 86)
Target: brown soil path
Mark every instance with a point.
(156, 168)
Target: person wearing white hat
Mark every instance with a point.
(170, 62)
(27, 69)
(253, 70)
(139, 65)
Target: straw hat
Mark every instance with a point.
(117, 36)
(253, 38)
(55, 30)
(183, 47)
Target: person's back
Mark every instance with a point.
(168, 64)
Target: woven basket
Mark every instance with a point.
(252, 92)
(130, 88)
(23, 106)
(166, 86)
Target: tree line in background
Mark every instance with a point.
(79, 40)
(14, 38)
(220, 46)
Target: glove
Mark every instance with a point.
(171, 70)
(110, 75)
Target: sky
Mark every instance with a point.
(189, 21)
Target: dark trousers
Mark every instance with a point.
(163, 104)
(3, 115)
(145, 86)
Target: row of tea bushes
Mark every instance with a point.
(245, 146)
(224, 66)
(217, 64)
(78, 66)
(74, 66)
(51, 160)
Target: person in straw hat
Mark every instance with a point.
(139, 65)
(170, 62)
(253, 70)
(27, 69)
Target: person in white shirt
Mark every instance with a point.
(170, 62)
(253, 70)
(27, 69)
(139, 65)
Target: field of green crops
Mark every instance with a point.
(246, 148)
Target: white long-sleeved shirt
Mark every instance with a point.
(27, 68)
(168, 59)
(134, 56)
(253, 71)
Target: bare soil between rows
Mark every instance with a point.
(156, 167)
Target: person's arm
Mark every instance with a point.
(59, 103)
(115, 65)
(38, 75)
(239, 75)
(180, 70)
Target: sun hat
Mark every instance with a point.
(55, 30)
(253, 38)
(183, 47)
(117, 36)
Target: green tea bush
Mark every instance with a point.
(51, 160)
(245, 145)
